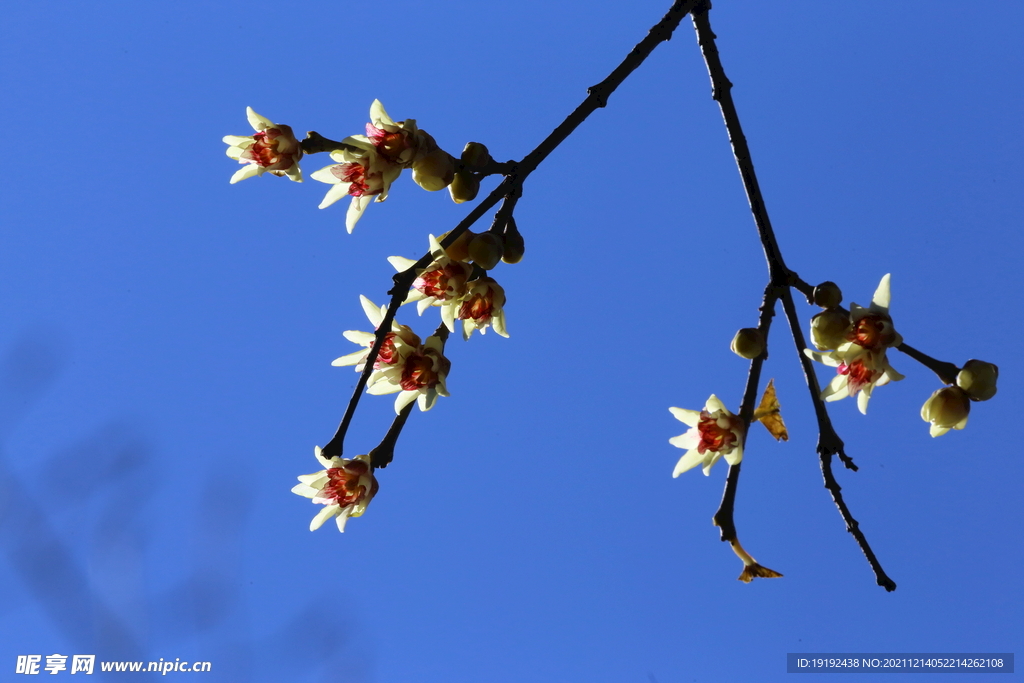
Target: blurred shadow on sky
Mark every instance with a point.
(81, 557)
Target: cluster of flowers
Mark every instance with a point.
(855, 343)
(367, 164)
(417, 370)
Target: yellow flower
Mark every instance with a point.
(345, 488)
(272, 149)
(714, 433)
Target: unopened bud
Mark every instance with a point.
(828, 295)
(946, 409)
(485, 249)
(434, 170)
(978, 380)
(748, 343)
(515, 247)
(459, 249)
(828, 328)
(475, 155)
(464, 187)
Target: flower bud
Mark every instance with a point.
(828, 328)
(486, 249)
(978, 380)
(748, 343)
(515, 247)
(464, 187)
(459, 249)
(946, 409)
(828, 295)
(434, 170)
(475, 155)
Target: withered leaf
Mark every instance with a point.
(768, 413)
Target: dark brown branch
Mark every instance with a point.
(314, 143)
(723, 518)
(384, 453)
(947, 372)
(511, 186)
(828, 439)
(851, 524)
(721, 92)
(829, 443)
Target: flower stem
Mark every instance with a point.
(947, 372)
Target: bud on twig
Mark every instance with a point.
(828, 295)
(515, 247)
(748, 343)
(486, 250)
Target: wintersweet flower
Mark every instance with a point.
(861, 363)
(398, 345)
(442, 283)
(858, 372)
(483, 306)
(362, 174)
(344, 488)
(404, 145)
(714, 433)
(397, 142)
(272, 149)
(420, 377)
(872, 326)
(947, 408)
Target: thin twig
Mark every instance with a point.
(723, 518)
(829, 443)
(947, 372)
(851, 524)
(511, 186)
(721, 92)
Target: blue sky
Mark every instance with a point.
(166, 339)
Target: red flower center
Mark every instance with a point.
(478, 307)
(714, 437)
(343, 487)
(418, 372)
(265, 151)
(872, 332)
(389, 145)
(443, 283)
(859, 375)
(388, 351)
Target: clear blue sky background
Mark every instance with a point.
(166, 339)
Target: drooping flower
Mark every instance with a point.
(398, 142)
(861, 363)
(361, 173)
(714, 433)
(420, 377)
(272, 149)
(947, 408)
(442, 283)
(345, 487)
(398, 345)
(872, 326)
(483, 306)
(858, 372)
